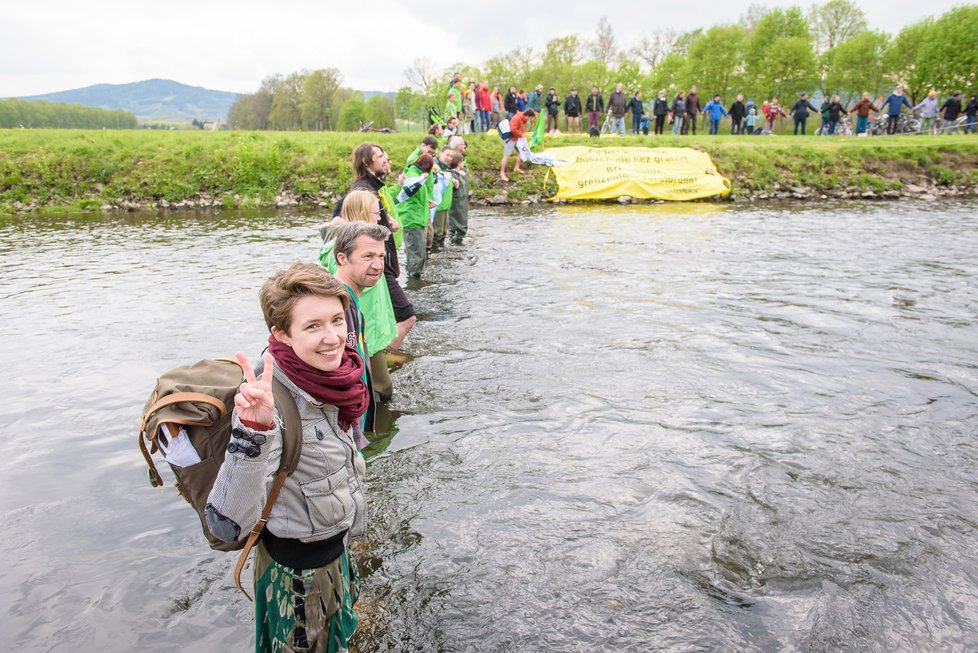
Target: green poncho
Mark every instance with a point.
(375, 302)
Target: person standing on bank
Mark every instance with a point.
(714, 112)
(594, 108)
(553, 109)
(800, 112)
(660, 109)
(637, 108)
(737, 113)
(693, 109)
(617, 106)
(509, 103)
(517, 130)
(306, 580)
(862, 109)
(894, 105)
(572, 109)
(678, 113)
(952, 109)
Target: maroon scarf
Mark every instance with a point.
(343, 387)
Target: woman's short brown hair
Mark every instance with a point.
(280, 293)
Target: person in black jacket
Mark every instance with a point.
(693, 109)
(553, 109)
(594, 108)
(737, 113)
(952, 109)
(800, 111)
(509, 104)
(972, 112)
(572, 109)
(836, 111)
(637, 108)
(660, 109)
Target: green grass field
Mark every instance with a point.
(85, 170)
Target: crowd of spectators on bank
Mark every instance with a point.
(480, 107)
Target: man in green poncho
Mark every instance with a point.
(359, 251)
(440, 223)
(414, 203)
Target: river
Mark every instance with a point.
(655, 427)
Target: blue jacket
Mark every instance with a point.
(715, 109)
(895, 104)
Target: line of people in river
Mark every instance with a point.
(330, 324)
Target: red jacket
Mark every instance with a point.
(482, 100)
(516, 125)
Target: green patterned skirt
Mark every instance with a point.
(309, 610)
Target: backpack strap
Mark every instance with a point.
(291, 450)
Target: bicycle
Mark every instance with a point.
(907, 123)
(842, 128)
(945, 127)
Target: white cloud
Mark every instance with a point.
(54, 45)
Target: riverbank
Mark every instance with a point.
(78, 170)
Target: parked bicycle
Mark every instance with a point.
(907, 123)
(842, 128)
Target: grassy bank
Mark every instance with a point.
(45, 170)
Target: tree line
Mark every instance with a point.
(778, 52)
(54, 115)
(768, 53)
(310, 101)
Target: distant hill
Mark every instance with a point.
(153, 99)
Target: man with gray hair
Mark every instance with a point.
(359, 252)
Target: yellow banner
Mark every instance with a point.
(664, 173)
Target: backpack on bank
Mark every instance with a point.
(504, 131)
(195, 402)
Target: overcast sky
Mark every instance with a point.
(56, 45)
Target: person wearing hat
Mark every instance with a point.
(800, 111)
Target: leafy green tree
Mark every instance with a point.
(318, 89)
(380, 111)
(856, 65)
(778, 55)
(834, 22)
(629, 73)
(409, 105)
(902, 57)
(593, 73)
(714, 62)
(39, 114)
(949, 53)
(353, 113)
(668, 75)
(510, 68)
(285, 112)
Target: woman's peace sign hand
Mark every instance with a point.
(254, 401)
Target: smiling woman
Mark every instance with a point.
(305, 580)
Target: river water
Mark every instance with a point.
(670, 428)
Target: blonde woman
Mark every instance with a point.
(375, 302)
